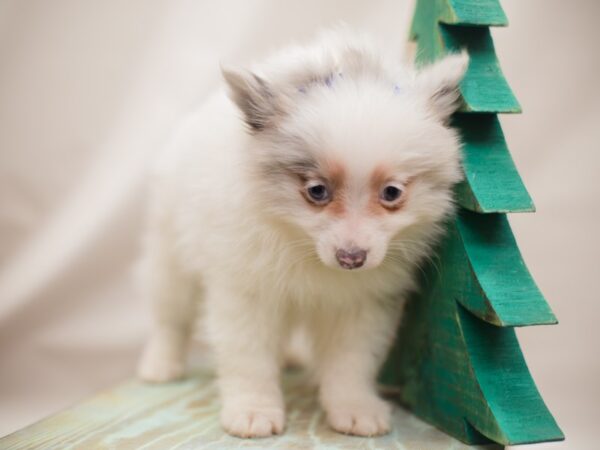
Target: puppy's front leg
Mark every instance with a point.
(172, 294)
(351, 350)
(246, 337)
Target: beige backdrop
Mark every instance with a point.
(90, 89)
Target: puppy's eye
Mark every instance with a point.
(390, 196)
(318, 193)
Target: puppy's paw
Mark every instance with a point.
(366, 417)
(253, 422)
(159, 366)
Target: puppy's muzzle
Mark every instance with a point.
(352, 258)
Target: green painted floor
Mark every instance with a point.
(184, 415)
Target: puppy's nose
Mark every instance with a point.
(352, 258)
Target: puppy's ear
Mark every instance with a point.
(439, 83)
(253, 96)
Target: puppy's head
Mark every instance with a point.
(354, 159)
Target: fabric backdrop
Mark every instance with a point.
(89, 91)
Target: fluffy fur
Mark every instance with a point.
(235, 237)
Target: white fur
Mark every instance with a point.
(232, 238)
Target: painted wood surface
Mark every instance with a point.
(492, 183)
(457, 360)
(496, 285)
(184, 415)
(454, 367)
(459, 12)
(484, 88)
(468, 12)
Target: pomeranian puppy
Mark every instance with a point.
(303, 197)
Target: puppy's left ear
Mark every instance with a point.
(253, 96)
(439, 83)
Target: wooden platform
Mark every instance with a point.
(184, 415)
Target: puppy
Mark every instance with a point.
(303, 199)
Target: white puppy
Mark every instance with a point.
(304, 199)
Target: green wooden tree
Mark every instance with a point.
(457, 360)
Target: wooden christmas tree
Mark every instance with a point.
(457, 362)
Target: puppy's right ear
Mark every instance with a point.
(253, 96)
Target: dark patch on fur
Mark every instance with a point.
(254, 97)
(301, 167)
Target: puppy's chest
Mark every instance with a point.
(274, 275)
(321, 285)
